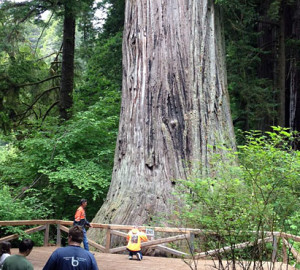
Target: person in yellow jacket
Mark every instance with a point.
(135, 238)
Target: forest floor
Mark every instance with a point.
(40, 255)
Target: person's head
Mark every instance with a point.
(26, 246)
(83, 203)
(5, 247)
(135, 229)
(76, 234)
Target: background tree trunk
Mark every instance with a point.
(67, 76)
(281, 79)
(293, 72)
(174, 105)
(268, 66)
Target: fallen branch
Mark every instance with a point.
(224, 249)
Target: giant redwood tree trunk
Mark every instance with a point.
(174, 105)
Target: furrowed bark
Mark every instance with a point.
(174, 105)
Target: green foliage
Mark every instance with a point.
(272, 169)
(253, 98)
(258, 194)
(115, 17)
(16, 209)
(103, 77)
(273, 11)
(277, 6)
(20, 66)
(67, 163)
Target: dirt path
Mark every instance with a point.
(40, 255)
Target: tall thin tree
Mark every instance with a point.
(67, 74)
(293, 70)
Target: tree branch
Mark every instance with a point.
(48, 56)
(35, 83)
(60, 51)
(50, 108)
(31, 185)
(35, 101)
(268, 22)
(31, 10)
(239, 119)
(46, 25)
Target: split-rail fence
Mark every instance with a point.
(187, 234)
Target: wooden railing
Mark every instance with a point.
(182, 234)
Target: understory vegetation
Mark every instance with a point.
(254, 193)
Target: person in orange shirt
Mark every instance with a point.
(135, 238)
(80, 220)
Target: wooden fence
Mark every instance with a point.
(181, 234)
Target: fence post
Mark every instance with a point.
(58, 236)
(108, 237)
(284, 253)
(46, 235)
(275, 244)
(191, 243)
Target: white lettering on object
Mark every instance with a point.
(75, 262)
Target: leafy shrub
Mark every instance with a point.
(16, 209)
(254, 191)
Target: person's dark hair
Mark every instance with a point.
(5, 247)
(83, 201)
(26, 244)
(76, 234)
